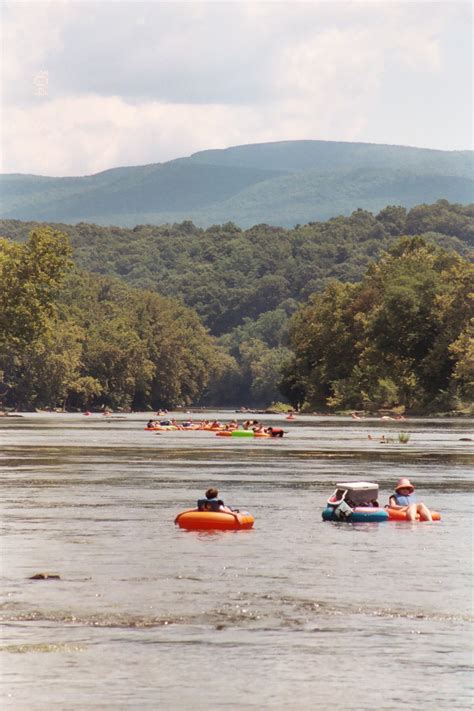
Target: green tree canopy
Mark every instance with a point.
(30, 276)
(396, 339)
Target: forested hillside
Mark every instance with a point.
(69, 339)
(402, 338)
(219, 316)
(282, 183)
(227, 274)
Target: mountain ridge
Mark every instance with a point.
(248, 184)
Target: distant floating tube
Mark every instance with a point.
(158, 428)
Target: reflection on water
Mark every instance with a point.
(294, 614)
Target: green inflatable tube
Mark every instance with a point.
(242, 433)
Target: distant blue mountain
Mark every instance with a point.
(281, 183)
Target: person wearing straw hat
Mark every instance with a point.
(405, 500)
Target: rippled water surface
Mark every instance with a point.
(295, 614)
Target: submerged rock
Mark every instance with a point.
(45, 576)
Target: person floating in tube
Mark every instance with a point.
(404, 499)
(275, 431)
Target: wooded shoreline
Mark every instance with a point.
(397, 338)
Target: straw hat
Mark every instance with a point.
(404, 483)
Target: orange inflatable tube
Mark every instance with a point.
(195, 520)
(400, 515)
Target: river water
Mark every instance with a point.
(295, 614)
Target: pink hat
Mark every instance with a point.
(404, 483)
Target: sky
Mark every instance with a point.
(87, 86)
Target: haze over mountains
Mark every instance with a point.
(281, 183)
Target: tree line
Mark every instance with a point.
(74, 340)
(402, 338)
(227, 274)
(231, 324)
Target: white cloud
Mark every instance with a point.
(140, 82)
(89, 134)
(199, 53)
(92, 133)
(31, 32)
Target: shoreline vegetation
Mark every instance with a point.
(452, 414)
(362, 314)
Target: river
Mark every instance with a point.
(296, 614)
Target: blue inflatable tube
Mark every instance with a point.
(359, 515)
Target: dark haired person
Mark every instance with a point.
(212, 503)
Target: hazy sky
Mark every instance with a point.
(92, 85)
